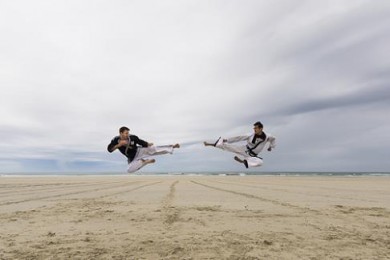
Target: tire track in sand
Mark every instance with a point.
(292, 192)
(51, 188)
(68, 193)
(170, 213)
(251, 196)
(341, 217)
(130, 190)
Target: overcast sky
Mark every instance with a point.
(316, 73)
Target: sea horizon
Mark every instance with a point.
(199, 173)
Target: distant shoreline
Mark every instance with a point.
(290, 174)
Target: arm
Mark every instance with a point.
(142, 142)
(272, 142)
(115, 144)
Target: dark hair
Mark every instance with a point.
(258, 124)
(123, 128)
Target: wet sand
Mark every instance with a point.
(194, 217)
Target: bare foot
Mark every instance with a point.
(245, 162)
(148, 161)
(176, 146)
(238, 159)
(212, 144)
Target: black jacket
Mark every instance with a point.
(129, 150)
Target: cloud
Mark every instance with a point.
(360, 98)
(72, 73)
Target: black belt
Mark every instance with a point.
(251, 153)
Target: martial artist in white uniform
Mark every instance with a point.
(255, 143)
(137, 150)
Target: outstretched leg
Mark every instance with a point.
(223, 145)
(248, 161)
(140, 158)
(145, 152)
(156, 150)
(213, 144)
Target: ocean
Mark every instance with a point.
(219, 173)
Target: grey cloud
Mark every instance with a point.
(187, 73)
(361, 98)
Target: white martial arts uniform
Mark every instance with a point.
(144, 152)
(244, 150)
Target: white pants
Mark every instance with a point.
(144, 152)
(240, 150)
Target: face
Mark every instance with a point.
(124, 135)
(257, 130)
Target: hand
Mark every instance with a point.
(122, 143)
(150, 144)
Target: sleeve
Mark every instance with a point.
(237, 139)
(272, 141)
(140, 142)
(110, 147)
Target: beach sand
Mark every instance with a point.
(194, 217)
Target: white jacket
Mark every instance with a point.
(269, 139)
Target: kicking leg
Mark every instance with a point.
(212, 144)
(163, 149)
(156, 150)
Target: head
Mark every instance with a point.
(124, 132)
(258, 128)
